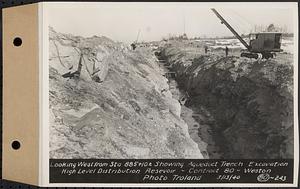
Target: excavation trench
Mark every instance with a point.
(234, 107)
(200, 122)
(241, 108)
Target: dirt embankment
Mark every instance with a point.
(251, 101)
(119, 106)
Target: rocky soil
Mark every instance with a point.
(108, 101)
(250, 102)
(119, 106)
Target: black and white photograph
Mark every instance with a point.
(167, 81)
(150, 94)
(172, 81)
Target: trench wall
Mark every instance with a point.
(251, 101)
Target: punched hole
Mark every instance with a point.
(17, 41)
(16, 145)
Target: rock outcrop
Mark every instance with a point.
(115, 107)
(251, 101)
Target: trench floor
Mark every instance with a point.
(199, 122)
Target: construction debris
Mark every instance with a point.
(120, 117)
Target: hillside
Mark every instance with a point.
(118, 106)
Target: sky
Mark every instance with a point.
(123, 21)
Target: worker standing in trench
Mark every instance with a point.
(226, 51)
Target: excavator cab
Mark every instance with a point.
(265, 42)
(262, 45)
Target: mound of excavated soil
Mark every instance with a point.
(251, 101)
(116, 107)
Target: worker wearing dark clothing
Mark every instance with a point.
(133, 46)
(205, 49)
(226, 51)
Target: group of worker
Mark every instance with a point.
(226, 50)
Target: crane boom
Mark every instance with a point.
(231, 29)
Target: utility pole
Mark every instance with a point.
(183, 23)
(137, 38)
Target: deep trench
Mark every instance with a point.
(250, 116)
(200, 121)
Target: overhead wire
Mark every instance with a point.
(252, 25)
(244, 18)
(233, 22)
(238, 23)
